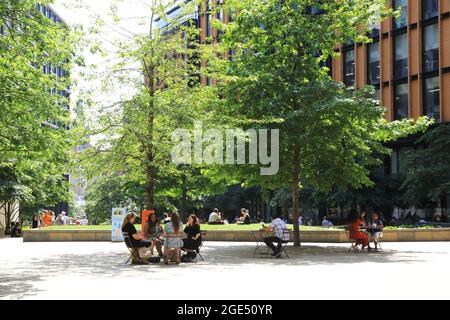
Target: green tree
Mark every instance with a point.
(112, 191)
(33, 116)
(428, 175)
(329, 134)
(136, 137)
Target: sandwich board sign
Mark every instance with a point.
(118, 214)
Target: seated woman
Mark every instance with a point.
(355, 221)
(173, 239)
(135, 239)
(47, 219)
(194, 237)
(16, 231)
(153, 233)
(244, 217)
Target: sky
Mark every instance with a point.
(135, 18)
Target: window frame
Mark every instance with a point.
(424, 97)
(395, 20)
(432, 17)
(346, 50)
(394, 56)
(376, 41)
(400, 83)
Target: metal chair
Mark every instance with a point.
(134, 251)
(199, 254)
(285, 243)
(355, 245)
(261, 248)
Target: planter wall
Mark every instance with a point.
(326, 236)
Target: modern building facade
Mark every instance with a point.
(408, 61)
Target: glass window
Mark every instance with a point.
(401, 101)
(431, 97)
(349, 67)
(401, 56)
(209, 27)
(373, 52)
(431, 48)
(430, 9)
(401, 21)
(220, 10)
(209, 22)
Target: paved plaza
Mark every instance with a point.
(76, 270)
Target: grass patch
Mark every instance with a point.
(204, 227)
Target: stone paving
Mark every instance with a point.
(77, 270)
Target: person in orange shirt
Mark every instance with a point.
(355, 222)
(47, 219)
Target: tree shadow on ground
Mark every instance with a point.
(21, 282)
(17, 286)
(304, 256)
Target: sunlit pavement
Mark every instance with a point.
(76, 270)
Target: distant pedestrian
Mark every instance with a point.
(326, 222)
(35, 223)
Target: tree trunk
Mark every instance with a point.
(150, 187)
(295, 195)
(150, 168)
(183, 202)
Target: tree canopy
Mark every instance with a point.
(36, 57)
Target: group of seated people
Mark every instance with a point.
(169, 237)
(216, 217)
(363, 233)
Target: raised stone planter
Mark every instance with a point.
(325, 236)
(43, 235)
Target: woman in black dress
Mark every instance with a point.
(35, 223)
(194, 237)
(128, 227)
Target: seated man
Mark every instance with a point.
(60, 220)
(326, 222)
(214, 217)
(278, 227)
